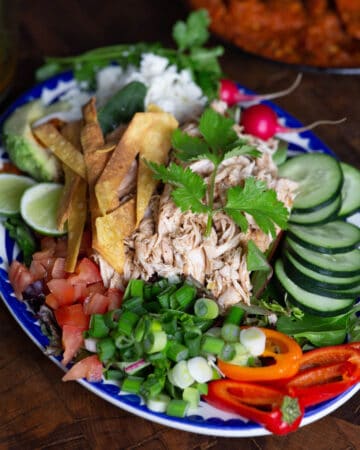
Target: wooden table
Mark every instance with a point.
(38, 410)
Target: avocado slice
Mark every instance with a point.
(23, 149)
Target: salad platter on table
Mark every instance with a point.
(64, 89)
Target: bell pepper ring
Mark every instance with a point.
(284, 353)
(318, 384)
(269, 407)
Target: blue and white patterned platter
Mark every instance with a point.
(206, 420)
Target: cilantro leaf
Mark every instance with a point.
(217, 130)
(193, 32)
(258, 201)
(255, 258)
(243, 149)
(189, 188)
(188, 147)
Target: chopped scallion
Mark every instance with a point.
(211, 344)
(206, 308)
(230, 332)
(235, 315)
(132, 384)
(127, 322)
(176, 351)
(177, 408)
(105, 349)
(155, 341)
(98, 327)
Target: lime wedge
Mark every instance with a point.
(39, 206)
(12, 188)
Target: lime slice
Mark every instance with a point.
(12, 188)
(39, 206)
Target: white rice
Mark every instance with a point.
(172, 90)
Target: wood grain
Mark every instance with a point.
(38, 410)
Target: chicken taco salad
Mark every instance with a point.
(170, 245)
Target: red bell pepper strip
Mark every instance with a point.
(316, 385)
(282, 350)
(269, 407)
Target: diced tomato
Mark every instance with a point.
(61, 248)
(20, 278)
(58, 269)
(63, 291)
(86, 271)
(96, 288)
(72, 315)
(96, 304)
(52, 301)
(90, 368)
(81, 291)
(72, 341)
(115, 298)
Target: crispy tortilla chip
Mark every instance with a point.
(71, 184)
(111, 230)
(62, 148)
(76, 223)
(71, 132)
(119, 164)
(155, 146)
(91, 139)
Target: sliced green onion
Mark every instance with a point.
(164, 297)
(206, 308)
(127, 322)
(159, 403)
(214, 331)
(202, 387)
(152, 386)
(121, 341)
(254, 340)
(141, 328)
(193, 343)
(183, 297)
(106, 349)
(98, 327)
(132, 353)
(169, 323)
(176, 351)
(235, 315)
(230, 332)
(181, 375)
(134, 304)
(228, 352)
(155, 325)
(211, 344)
(155, 342)
(199, 369)
(177, 408)
(114, 375)
(132, 384)
(135, 288)
(152, 307)
(192, 397)
(241, 355)
(111, 318)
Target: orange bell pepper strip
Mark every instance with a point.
(270, 407)
(284, 353)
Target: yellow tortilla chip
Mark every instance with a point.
(71, 184)
(61, 148)
(76, 223)
(119, 164)
(71, 132)
(155, 146)
(111, 230)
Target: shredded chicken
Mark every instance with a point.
(171, 243)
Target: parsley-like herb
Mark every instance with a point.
(190, 37)
(218, 142)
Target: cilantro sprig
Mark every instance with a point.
(218, 142)
(190, 37)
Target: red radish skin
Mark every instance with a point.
(232, 95)
(261, 121)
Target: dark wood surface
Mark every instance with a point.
(38, 410)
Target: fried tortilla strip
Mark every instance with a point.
(71, 132)
(91, 139)
(62, 148)
(76, 223)
(72, 181)
(111, 230)
(155, 146)
(119, 164)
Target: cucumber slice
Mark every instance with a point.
(39, 206)
(309, 285)
(350, 191)
(340, 265)
(332, 237)
(306, 275)
(12, 188)
(319, 216)
(313, 303)
(319, 177)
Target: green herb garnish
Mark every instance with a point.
(190, 192)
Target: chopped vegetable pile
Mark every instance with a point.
(186, 262)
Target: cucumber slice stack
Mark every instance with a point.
(320, 263)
